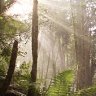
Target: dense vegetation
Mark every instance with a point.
(61, 40)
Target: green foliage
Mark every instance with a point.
(1, 17)
(10, 26)
(3, 67)
(22, 76)
(86, 92)
(25, 68)
(62, 84)
(8, 30)
(6, 51)
(5, 5)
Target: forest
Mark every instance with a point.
(47, 47)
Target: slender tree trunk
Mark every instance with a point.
(34, 40)
(32, 89)
(11, 69)
(1, 6)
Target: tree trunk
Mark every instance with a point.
(34, 40)
(93, 56)
(82, 45)
(1, 6)
(32, 89)
(83, 50)
(11, 69)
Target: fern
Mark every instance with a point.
(86, 92)
(61, 84)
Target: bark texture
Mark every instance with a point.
(11, 69)
(83, 44)
(32, 89)
(34, 40)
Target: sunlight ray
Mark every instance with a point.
(59, 23)
(65, 27)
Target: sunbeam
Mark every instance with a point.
(47, 47)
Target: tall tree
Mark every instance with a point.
(82, 46)
(83, 50)
(32, 89)
(34, 40)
